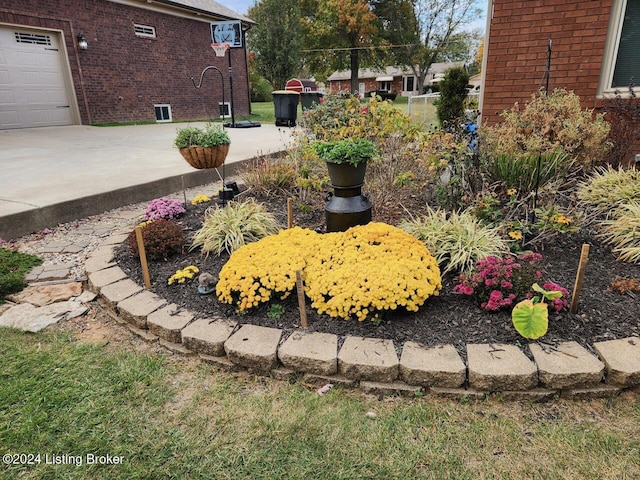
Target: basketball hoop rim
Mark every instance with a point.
(220, 49)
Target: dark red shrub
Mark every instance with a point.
(162, 238)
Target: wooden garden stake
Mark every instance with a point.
(584, 257)
(143, 258)
(289, 212)
(301, 303)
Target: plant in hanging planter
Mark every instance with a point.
(203, 147)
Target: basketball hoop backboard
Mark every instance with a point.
(227, 32)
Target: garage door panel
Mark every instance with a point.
(33, 87)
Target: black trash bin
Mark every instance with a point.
(286, 105)
(309, 99)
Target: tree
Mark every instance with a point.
(276, 40)
(453, 93)
(437, 33)
(341, 26)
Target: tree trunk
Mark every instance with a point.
(355, 67)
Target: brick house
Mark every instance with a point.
(595, 47)
(65, 62)
(391, 79)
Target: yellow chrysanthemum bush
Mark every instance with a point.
(258, 271)
(359, 273)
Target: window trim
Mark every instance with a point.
(142, 33)
(614, 32)
(161, 106)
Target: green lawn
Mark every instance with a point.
(177, 418)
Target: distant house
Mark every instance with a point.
(65, 62)
(391, 79)
(595, 47)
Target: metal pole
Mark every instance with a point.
(233, 118)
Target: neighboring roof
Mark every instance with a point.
(363, 73)
(208, 7)
(366, 73)
(442, 67)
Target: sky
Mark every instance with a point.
(241, 6)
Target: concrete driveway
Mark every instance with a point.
(58, 174)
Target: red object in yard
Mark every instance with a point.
(298, 85)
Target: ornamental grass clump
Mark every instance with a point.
(165, 207)
(394, 270)
(608, 188)
(498, 283)
(623, 233)
(234, 225)
(457, 240)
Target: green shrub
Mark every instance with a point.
(162, 238)
(234, 225)
(14, 266)
(608, 188)
(457, 240)
(547, 124)
(453, 93)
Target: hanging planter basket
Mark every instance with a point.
(205, 157)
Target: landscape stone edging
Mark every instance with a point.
(402, 376)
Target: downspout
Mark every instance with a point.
(485, 56)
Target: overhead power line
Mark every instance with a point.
(343, 49)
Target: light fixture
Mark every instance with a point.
(82, 42)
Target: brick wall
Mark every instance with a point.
(121, 76)
(517, 50)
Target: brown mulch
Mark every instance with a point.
(604, 312)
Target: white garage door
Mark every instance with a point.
(33, 90)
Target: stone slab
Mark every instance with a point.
(96, 262)
(310, 352)
(459, 394)
(284, 375)
(567, 365)
(207, 337)
(29, 318)
(221, 362)
(168, 322)
(115, 239)
(175, 347)
(535, 395)
(368, 359)
(254, 347)
(621, 359)
(57, 274)
(137, 308)
(118, 291)
(438, 366)
(102, 278)
(388, 389)
(497, 367)
(592, 393)
(146, 335)
(46, 294)
(315, 380)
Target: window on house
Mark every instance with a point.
(33, 38)
(144, 31)
(225, 109)
(163, 113)
(621, 61)
(385, 86)
(409, 83)
(627, 60)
